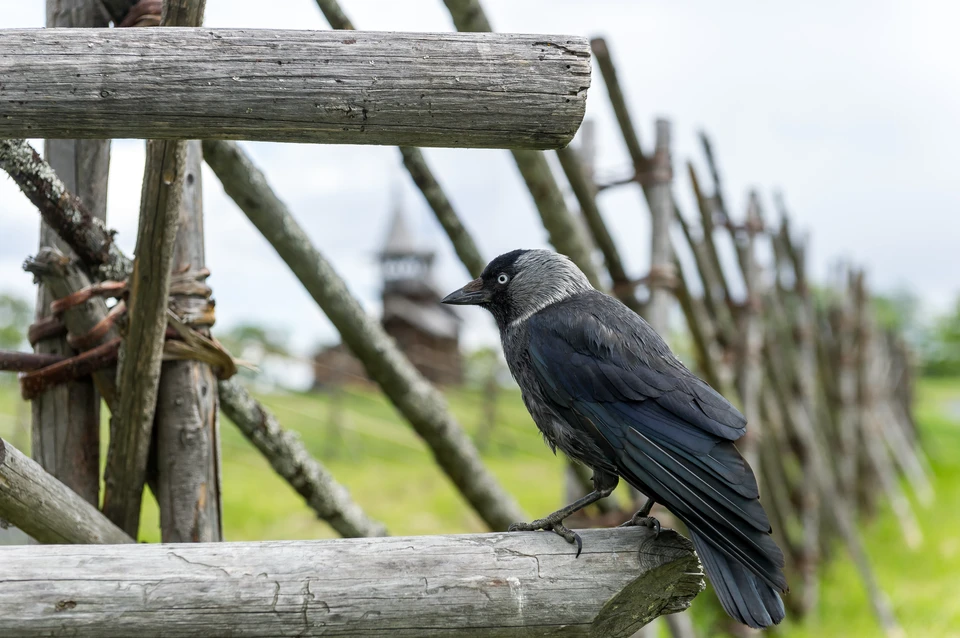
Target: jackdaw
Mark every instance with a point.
(605, 388)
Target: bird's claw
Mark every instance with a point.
(551, 525)
(644, 521)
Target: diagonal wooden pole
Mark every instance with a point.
(564, 232)
(418, 401)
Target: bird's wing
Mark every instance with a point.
(668, 432)
(609, 354)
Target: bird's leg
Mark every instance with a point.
(554, 522)
(643, 518)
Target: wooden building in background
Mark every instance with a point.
(426, 331)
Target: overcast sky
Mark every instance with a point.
(850, 108)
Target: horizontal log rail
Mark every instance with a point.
(500, 584)
(478, 90)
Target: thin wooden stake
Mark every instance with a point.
(141, 355)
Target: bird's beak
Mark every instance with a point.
(472, 294)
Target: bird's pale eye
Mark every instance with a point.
(503, 278)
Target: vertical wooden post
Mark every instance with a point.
(66, 419)
(139, 369)
(843, 324)
(662, 272)
(187, 421)
(750, 356)
(790, 255)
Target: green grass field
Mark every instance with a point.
(391, 474)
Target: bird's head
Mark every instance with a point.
(520, 283)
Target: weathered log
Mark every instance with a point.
(750, 355)
(715, 286)
(419, 402)
(501, 584)
(61, 209)
(187, 421)
(474, 91)
(291, 460)
(45, 508)
(660, 199)
(141, 355)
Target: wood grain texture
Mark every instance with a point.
(138, 371)
(661, 222)
(502, 584)
(65, 424)
(187, 419)
(415, 398)
(414, 89)
(45, 508)
(186, 424)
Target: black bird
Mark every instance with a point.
(603, 387)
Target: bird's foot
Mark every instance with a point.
(553, 525)
(639, 520)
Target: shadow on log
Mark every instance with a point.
(500, 584)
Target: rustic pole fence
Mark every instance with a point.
(91, 319)
(829, 385)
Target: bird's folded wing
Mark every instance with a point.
(626, 362)
(653, 423)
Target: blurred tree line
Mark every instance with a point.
(936, 341)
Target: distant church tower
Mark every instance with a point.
(426, 331)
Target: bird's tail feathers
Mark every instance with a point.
(743, 594)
